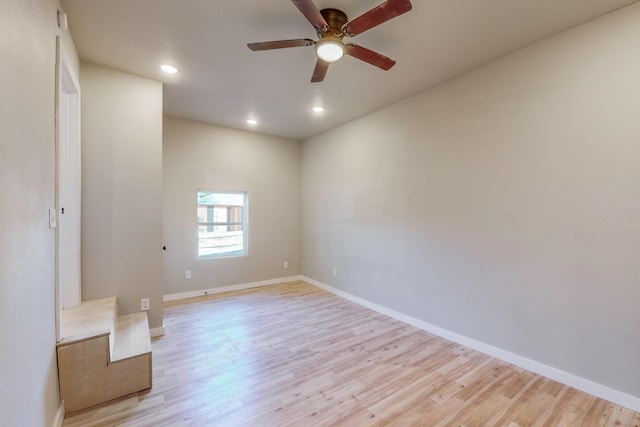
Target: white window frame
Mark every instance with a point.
(243, 223)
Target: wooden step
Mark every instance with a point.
(132, 337)
(89, 319)
(102, 356)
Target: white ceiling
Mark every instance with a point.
(220, 81)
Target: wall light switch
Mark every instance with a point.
(285, 264)
(187, 274)
(53, 222)
(335, 272)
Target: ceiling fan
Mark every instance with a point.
(332, 25)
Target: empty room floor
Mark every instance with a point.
(295, 355)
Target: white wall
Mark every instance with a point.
(29, 387)
(122, 189)
(503, 206)
(200, 156)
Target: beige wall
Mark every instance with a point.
(29, 388)
(200, 156)
(503, 205)
(122, 189)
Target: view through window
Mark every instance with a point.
(222, 223)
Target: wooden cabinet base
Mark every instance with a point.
(88, 378)
(96, 367)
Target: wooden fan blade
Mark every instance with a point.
(369, 56)
(320, 71)
(311, 12)
(376, 16)
(280, 44)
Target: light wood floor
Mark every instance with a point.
(294, 355)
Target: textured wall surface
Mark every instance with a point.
(122, 189)
(29, 387)
(502, 206)
(200, 156)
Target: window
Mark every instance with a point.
(222, 224)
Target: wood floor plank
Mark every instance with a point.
(295, 355)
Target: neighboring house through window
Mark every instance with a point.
(222, 223)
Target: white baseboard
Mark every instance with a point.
(588, 386)
(239, 287)
(59, 418)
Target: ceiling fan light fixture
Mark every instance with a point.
(330, 49)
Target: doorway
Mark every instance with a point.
(68, 191)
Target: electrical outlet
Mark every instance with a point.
(144, 304)
(335, 272)
(187, 274)
(285, 264)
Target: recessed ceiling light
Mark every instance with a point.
(169, 69)
(318, 109)
(252, 121)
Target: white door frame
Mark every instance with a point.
(68, 177)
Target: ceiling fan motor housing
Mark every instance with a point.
(335, 20)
